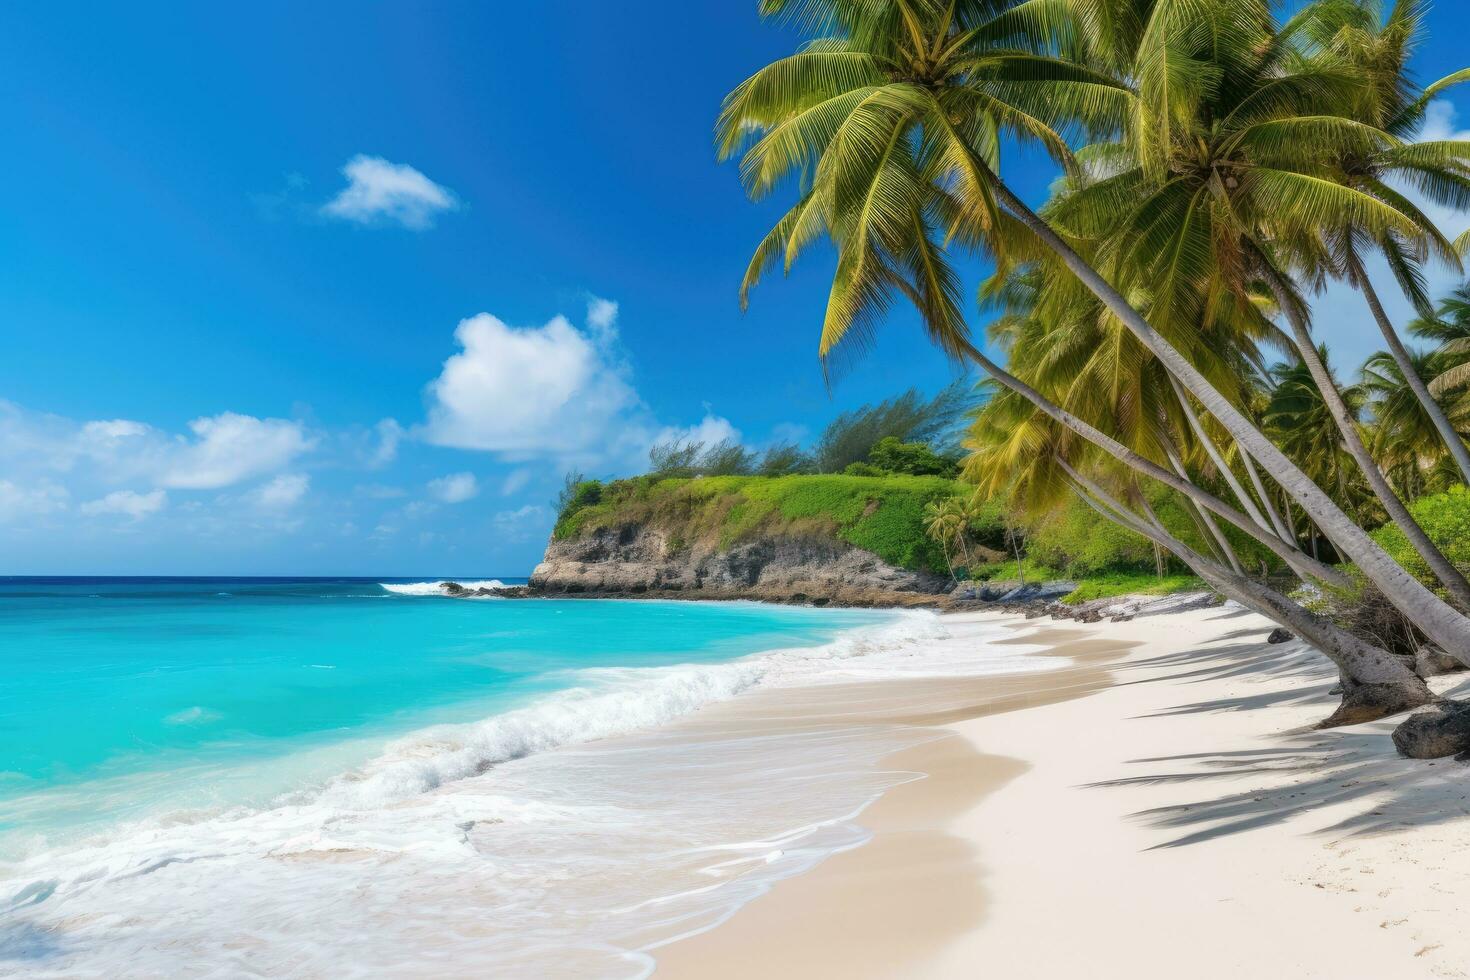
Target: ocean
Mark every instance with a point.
(338, 777)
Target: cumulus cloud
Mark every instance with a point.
(19, 501)
(127, 503)
(455, 488)
(380, 191)
(548, 391)
(282, 492)
(389, 434)
(230, 448)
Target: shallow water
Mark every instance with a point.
(338, 777)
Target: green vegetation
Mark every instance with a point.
(884, 515)
(1445, 517)
(1218, 165)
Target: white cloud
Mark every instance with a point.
(18, 502)
(455, 488)
(515, 481)
(128, 503)
(521, 524)
(1340, 314)
(378, 190)
(710, 430)
(390, 434)
(231, 448)
(602, 316)
(526, 392)
(284, 491)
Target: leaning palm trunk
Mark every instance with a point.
(1439, 565)
(1375, 682)
(1401, 357)
(1205, 519)
(1250, 468)
(1213, 452)
(1439, 621)
(1295, 559)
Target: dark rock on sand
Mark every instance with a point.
(1280, 635)
(1436, 732)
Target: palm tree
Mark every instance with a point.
(1239, 178)
(1377, 49)
(947, 522)
(1449, 329)
(1302, 424)
(892, 119)
(1014, 443)
(1405, 439)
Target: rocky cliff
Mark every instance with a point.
(639, 559)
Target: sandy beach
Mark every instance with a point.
(1161, 806)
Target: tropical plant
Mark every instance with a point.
(892, 117)
(1376, 48)
(1405, 439)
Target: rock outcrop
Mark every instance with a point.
(637, 560)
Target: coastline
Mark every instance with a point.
(1174, 754)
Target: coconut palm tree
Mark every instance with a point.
(1404, 439)
(1449, 330)
(1016, 444)
(1302, 424)
(1247, 178)
(891, 118)
(1377, 49)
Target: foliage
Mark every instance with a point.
(889, 455)
(1445, 517)
(882, 515)
(1131, 583)
(852, 436)
(575, 498)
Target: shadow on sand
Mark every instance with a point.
(1311, 769)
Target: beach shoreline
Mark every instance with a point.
(1162, 805)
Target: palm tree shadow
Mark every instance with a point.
(1313, 769)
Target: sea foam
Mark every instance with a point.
(437, 588)
(417, 845)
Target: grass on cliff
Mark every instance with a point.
(1100, 585)
(883, 515)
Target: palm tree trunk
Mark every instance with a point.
(1225, 550)
(1447, 573)
(1440, 622)
(1297, 561)
(1213, 452)
(1276, 521)
(1016, 548)
(1452, 440)
(1377, 683)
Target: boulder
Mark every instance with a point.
(1431, 661)
(1280, 635)
(1438, 731)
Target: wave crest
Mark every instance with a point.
(437, 588)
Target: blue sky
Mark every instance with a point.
(281, 290)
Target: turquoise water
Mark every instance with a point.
(146, 688)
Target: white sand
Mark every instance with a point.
(1181, 822)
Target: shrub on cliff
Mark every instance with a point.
(884, 515)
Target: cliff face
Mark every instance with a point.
(638, 559)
